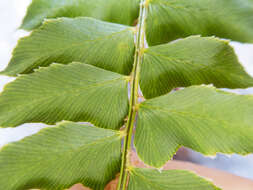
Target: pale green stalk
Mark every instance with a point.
(138, 58)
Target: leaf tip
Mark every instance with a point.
(8, 73)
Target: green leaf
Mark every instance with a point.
(74, 92)
(57, 158)
(105, 45)
(150, 179)
(172, 19)
(118, 11)
(199, 117)
(191, 61)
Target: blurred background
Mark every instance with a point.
(11, 14)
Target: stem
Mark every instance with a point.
(138, 58)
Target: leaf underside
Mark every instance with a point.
(202, 118)
(85, 82)
(74, 92)
(191, 61)
(57, 158)
(166, 21)
(151, 179)
(172, 19)
(105, 45)
(117, 11)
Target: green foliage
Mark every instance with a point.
(80, 69)
(170, 20)
(66, 40)
(150, 179)
(90, 156)
(199, 117)
(191, 61)
(75, 92)
(118, 11)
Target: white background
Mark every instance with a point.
(11, 14)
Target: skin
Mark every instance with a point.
(221, 179)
